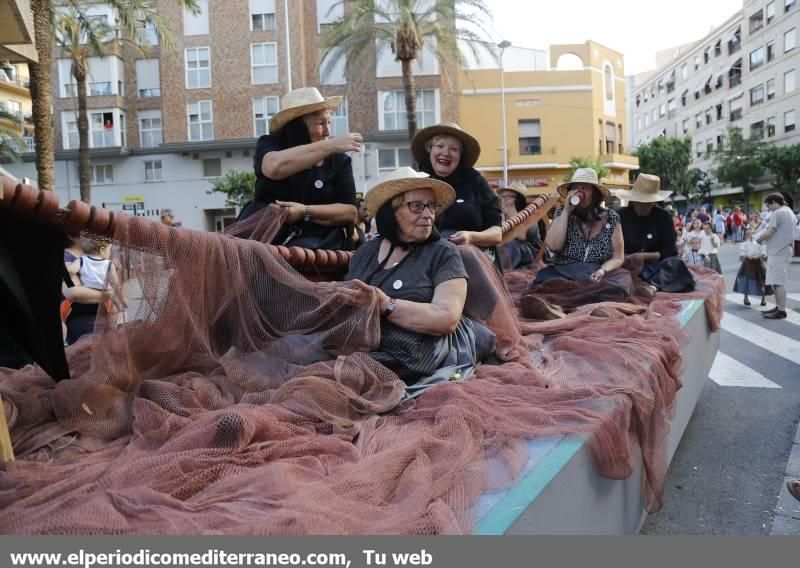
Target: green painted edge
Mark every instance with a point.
(500, 517)
(527, 489)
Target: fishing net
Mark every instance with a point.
(236, 398)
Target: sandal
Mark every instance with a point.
(763, 301)
(793, 487)
(747, 301)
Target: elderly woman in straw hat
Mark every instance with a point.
(650, 237)
(520, 251)
(419, 283)
(306, 172)
(447, 153)
(586, 239)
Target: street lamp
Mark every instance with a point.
(503, 45)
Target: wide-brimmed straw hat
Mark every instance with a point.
(407, 179)
(470, 154)
(517, 187)
(584, 175)
(301, 102)
(645, 189)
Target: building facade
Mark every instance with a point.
(576, 109)
(164, 126)
(742, 74)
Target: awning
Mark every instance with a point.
(735, 96)
(730, 34)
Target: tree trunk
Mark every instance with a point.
(411, 97)
(41, 87)
(84, 166)
(746, 191)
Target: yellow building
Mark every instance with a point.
(16, 49)
(575, 109)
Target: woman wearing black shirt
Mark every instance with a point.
(300, 168)
(447, 153)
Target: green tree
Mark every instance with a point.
(403, 26)
(738, 162)
(670, 159)
(238, 187)
(784, 163)
(133, 17)
(585, 162)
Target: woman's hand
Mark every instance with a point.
(568, 206)
(294, 211)
(364, 295)
(598, 275)
(350, 142)
(461, 238)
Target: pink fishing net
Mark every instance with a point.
(205, 414)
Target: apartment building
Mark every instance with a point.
(744, 74)
(576, 108)
(15, 100)
(164, 126)
(16, 50)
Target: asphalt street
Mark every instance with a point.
(728, 474)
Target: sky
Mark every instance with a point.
(638, 29)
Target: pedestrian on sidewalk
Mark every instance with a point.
(752, 273)
(779, 237)
(709, 248)
(719, 224)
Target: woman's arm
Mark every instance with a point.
(280, 164)
(617, 257)
(439, 317)
(84, 295)
(330, 215)
(557, 232)
(484, 239)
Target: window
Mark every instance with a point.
(150, 134)
(153, 170)
(638, 100)
(684, 97)
(671, 106)
(340, 124)
(709, 147)
(789, 81)
(662, 110)
(147, 81)
(684, 71)
(392, 109)
(696, 62)
(201, 121)
(735, 111)
(756, 21)
(102, 174)
(709, 115)
(264, 63)
(699, 149)
(101, 126)
(756, 58)
(735, 74)
(770, 127)
(770, 51)
(530, 137)
(655, 114)
(770, 89)
(789, 4)
(757, 130)
(212, 167)
(719, 111)
(639, 124)
(770, 12)
(198, 68)
(718, 48)
(389, 159)
(73, 140)
(788, 121)
(720, 141)
(263, 110)
(196, 24)
(150, 35)
(789, 40)
(698, 120)
(757, 95)
(735, 42)
(685, 125)
(262, 15)
(706, 55)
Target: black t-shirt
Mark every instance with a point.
(331, 182)
(654, 233)
(476, 207)
(407, 353)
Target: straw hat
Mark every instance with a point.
(583, 175)
(517, 187)
(301, 102)
(472, 149)
(645, 189)
(407, 179)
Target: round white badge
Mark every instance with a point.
(397, 284)
(318, 184)
(459, 201)
(649, 236)
(608, 225)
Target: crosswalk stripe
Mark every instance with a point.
(791, 315)
(776, 343)
(728, 372)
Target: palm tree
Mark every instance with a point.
(404, 26)
(72, 25)
(10, 139)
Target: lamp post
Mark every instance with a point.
(503, 45)
(288, 46)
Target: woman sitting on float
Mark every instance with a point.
(301, 169)
(420, 284)
(586, 239)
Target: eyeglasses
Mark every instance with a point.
(417, 207)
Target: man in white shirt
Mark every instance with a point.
(779, 237)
